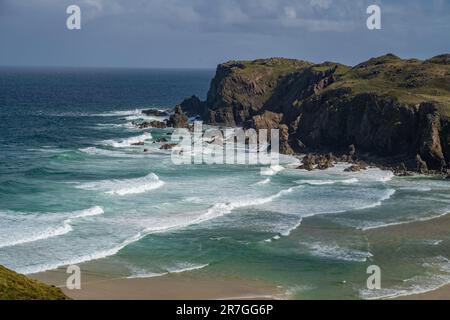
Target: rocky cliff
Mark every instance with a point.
(393, 111)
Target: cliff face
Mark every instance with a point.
(388, 108)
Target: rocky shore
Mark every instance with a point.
(388, 112)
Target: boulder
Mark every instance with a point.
(421, 165)
(167, 146)
(308, 162)
(155, 113)
(150, 124)
(178, 119)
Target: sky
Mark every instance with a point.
(204, 33)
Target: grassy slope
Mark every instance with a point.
(14, 286)
(410, 81)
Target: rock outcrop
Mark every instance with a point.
(178, 119)
(150, 124)
(390, 110)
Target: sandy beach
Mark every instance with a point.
(192, 286)
(437, 227)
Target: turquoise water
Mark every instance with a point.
(73, 189)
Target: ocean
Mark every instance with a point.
(75, 190)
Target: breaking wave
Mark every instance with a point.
(124, 186)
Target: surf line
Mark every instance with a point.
(233, 146)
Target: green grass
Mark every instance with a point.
(272, 67)
(14, 286)
(410, 81)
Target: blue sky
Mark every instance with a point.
(203, 33)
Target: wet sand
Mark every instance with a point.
(438, 228)
(189, 285)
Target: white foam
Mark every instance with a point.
(125, 186)
(272, 170)
(431, 280)
(333, 251)
(51, 232)
(120, 113)
(110, 153)
(214, 212)
(185, 267)
(221, 209)
(177, 268)
(146, 275)
(327, 182)
(388, 194)
(288, 232)
(265, 181)
(396, 223)
(128, 142)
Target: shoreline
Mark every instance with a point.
(190, 285)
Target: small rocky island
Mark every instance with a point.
(387, 111)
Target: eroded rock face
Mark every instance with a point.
(326, 107)
(178, 119)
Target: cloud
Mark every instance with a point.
(138, 32)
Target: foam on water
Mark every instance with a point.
(125, 186)
(177, 268)
(265, 181)
(223, 208)
(120, 113)
(128, 142)
(379, 224)
(437, 276)
(272, 170)
(34, 233)
(185, 266)
(94, 151)
(327, 182)
(335, 252)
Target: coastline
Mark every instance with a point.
(187, 286)
(437, 226)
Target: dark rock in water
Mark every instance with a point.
(167, 146)
(421, 165)
(161, 140)
(146, 150)
(332, 107)
(308, 162)
(401, 170)
(320, 162)
(353, 168)
(178, 119)
(140, 143)
(325, 161)
(155, 113)
(150, 124)
(358, 166)
(447, 177)
(193, 107)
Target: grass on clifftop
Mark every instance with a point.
(14, 286)
(410, 81)
(273, 67)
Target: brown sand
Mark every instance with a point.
(189, 285)
(438, 227)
